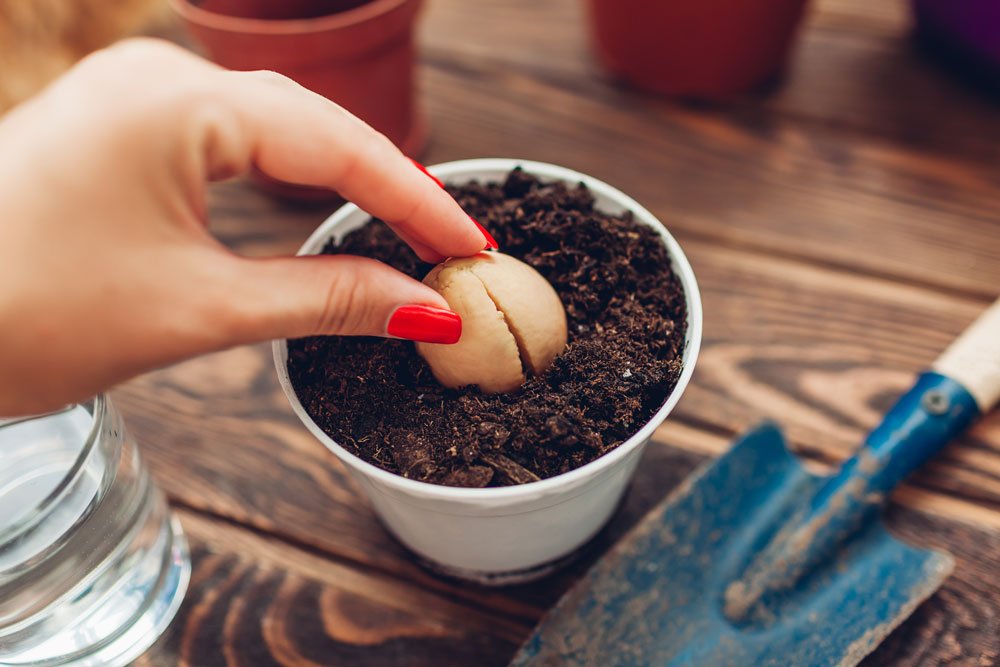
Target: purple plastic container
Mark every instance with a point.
(969, 27)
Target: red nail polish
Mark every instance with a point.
(424, 169)
(490, 241)
(426, 324)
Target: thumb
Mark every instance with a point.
(291, 297)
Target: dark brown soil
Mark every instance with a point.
(626, 312)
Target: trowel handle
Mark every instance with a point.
(973, 360)
(963, 384)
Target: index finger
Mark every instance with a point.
(295, 135)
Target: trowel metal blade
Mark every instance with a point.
(657, 597)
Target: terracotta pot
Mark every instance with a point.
(358, 53)
(695, 48)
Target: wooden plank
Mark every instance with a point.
(826, 354)
(256, 602)
(887, 87)
(860, 16)
(854, 67)
(773, 187)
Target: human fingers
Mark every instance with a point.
(291, 297)
(295, 135)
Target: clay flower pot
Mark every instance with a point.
(518, 533)
(359, 54)
(695, 48)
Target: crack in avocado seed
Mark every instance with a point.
(522, 353)
(487, 354)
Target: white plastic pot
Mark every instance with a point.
(516, 533)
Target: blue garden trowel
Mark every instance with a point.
(754, 561)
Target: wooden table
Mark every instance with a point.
(843, 228)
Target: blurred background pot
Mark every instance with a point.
(695, 48)
(968, 28)
(359, 53)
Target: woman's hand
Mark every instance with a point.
(107, 268)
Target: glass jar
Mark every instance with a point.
(92, 564)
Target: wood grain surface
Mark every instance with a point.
(844, 227)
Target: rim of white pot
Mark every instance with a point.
(681, 266)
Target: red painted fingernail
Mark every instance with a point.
(490, 241)
(424, 169)
(425, 324)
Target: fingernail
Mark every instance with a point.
(429, 174)
(425, 324)
(490, 241)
